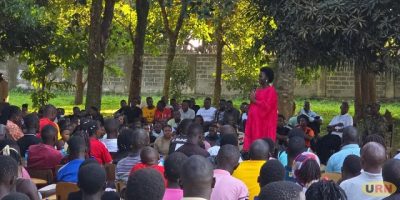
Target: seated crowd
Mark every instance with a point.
(182, 151)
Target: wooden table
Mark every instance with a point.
(38, 181)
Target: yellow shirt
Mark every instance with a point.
(248, 172)
(148, 114)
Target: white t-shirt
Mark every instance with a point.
(346, 120)
(363, 187)
(208, 115)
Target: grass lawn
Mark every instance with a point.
(110, 103)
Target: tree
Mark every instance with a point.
(99, 32)
(172, 33)
(20, 27)
(335, 34)
(142, 9)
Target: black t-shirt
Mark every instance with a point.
(192, 149)
(177, 142)
(27, 141)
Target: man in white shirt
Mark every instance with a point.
(186, 112)
(332, 142)
(341, 121)
(369, 184)
(208, 112)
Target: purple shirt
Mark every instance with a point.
(173, 194)
(228, 187)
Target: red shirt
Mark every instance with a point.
(99, 151)
(156, 167)
(43, 156)
(46, 121)
(163, 116)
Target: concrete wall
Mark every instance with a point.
(338, 84)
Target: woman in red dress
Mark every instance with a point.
(263, 111)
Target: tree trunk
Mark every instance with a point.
(98, 36)
(285, 84)
(80, 85)
(218, 67)
(170, 62)
(12, 72)
(135, 87)
(365, 90)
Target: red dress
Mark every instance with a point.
(262, 117)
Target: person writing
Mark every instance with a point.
(263, 110)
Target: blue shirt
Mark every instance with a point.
(282, 157)
(69, 172)
(335, 162)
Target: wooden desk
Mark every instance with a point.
(38, 181)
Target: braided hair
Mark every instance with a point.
(325, 190)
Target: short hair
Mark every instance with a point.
(110, 196)
(91, 178)
(325, 190)
(271, 171)
(145, 184)
(31, 120)
(280, 190)
(48, 133)
(352, 164)
(391, 172)
(197, 172)
(15, 196)
(229, 139)
(207, 99)
(195, 130)
(110, 124)
(374, 138)
(25, 105)
(271, 145)
(282, 116)
(259, 150)
(8, 169)
(296, 146)
(48, 109)
(140, 139)
(228, 154)
(269, 73)
(173, 166)
(124, 140)
(76, 144)
(183, 127)
(13, 111)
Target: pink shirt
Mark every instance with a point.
(173, 194)
(228, 187)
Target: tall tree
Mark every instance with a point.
(99, 32)
(335, 34)
(172, 33)
(142, 12)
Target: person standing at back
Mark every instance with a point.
(3, 89)
(263, 110)
(248, 170)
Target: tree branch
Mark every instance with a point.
(181, 18)
(165, 18)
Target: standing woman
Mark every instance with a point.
(263, 111)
